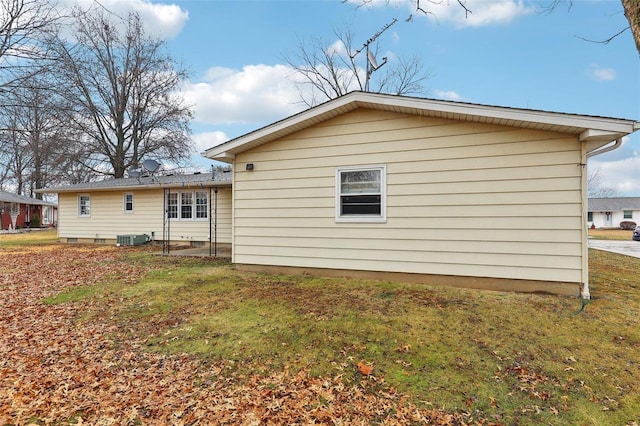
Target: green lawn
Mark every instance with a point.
(510, 358)
(507, 358)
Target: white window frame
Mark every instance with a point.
(627, 214)
(194, 205)
(198, 204)
(365, 218)
(124, 202)
(87, 205)
(176, 211)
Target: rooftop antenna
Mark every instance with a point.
(372, 64)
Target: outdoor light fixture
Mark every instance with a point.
(249, 166)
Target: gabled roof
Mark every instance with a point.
(196, 180)
(614, 204)
(8, 197)
(596, 130)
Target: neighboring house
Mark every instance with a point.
(609, 212)
(17, 211)
(421, 190)
(193, 209)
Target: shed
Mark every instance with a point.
(414, 189)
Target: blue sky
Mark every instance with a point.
(506, 53)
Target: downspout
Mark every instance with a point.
(607, 148)
(585, 293)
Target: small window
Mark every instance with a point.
(172, 205)
(628, 214)
(186, 205)
(84, 205)
(590, 217)
(128, 203)
(202, 204)
(361, 194)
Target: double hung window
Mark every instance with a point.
(84, 205)
(361, 194)
(128, 202)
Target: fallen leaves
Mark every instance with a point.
(364, 368)
(57, 367)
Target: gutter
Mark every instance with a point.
(607, 148)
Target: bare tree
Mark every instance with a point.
(123, 88)
(32, 135)
(595, 189)
(325, 71)
(631, 12)
(25, 25)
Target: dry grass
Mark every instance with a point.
(505, 358)
(28, 238)
(610, 234)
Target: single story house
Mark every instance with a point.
(393, 187)
(18, 211)
(610, 212)
(193, 209)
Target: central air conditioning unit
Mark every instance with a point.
(132, 240)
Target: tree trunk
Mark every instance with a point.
(632, 12)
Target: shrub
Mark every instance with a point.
(628, 225)
(35, 221)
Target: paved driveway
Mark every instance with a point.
(629, 248)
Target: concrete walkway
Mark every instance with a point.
(628, 248)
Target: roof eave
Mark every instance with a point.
(61, 190)
(590, 128)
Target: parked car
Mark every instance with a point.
(636, 233)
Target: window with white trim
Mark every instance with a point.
(202, 205)
(128, 202)
(361, 194)
(84, 205)
(188, 205)
(627, 214)
(172, 205)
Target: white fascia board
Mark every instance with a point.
(613, 126)
(593, 135)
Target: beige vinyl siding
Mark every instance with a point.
(462, 199)
(108, 218)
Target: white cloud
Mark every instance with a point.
(206, 140)
(255, 94)
(620, 169)
(482, 12)
(160, 20)
(337, 48)
(449, 95)
(602, 74)
(622, 175)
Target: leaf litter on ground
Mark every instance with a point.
(58, 369)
